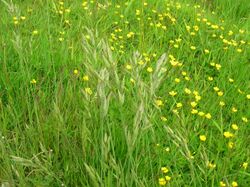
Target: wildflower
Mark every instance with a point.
(211, 165)
(210, 78)
(179, 105)
(201, 113)
(222, 184)
(130, 34)
(23, 18)
(163, 118)
(248, 96)
(230, 145)
(159, 102)
(234, 110)
(203, 138)
(150, 69)
(245, 165)
(244, 119)
(132, 80)
(194, 111)
(33, 81)
(197, 97)
(164, 170)
(216, 89)
(128, 67)
(192, 47)
(218, 66)
(177, 80)
(231, 80)
(168, 178)
(222, 103)
(187, 91)
(228, 134)
(220, 93)
(85, 78)
(162, 181)
(234, 184)
(193, 104)
(35, 32)
(175, 111)
(208, 116)
(235, 127)
(239, 50)
(172, 93)
(206, 51)
(167, 149)
(76, 72)
(88, 91)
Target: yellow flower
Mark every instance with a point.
(248, 96)
(61, 39)
(230, 33)
(76, 72)
(231, 80)
(201, 113)
(88, 91)
(196, 28)
(193, 104)
(235, 127)
(210, 78)
(222, 103)
(244, 119)
(164, 170)
(220, 93)
(194, 111)
(203, 138)
(230, 145)
(218, 66)
(187, 91)
(195, 92)
(211, 165)
(222, 184)
(163, 118)
(85, 78)
(245, 165)
(172, 93)
(234, 110)
(192, 47)
(208, 116)
(168, 178)
(206, 51)
(128, 67)
(130, 34)
(197, 97)
(239, 50)
(132, 80)
(150, 69)
(177, 80)
(179, 105)
(162, 181)
(234, 184)
(23, 18)
(216, 89)
(35, 32)
(159, 102)
(33, 81)
(228, 134)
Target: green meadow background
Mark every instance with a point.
(124, 93)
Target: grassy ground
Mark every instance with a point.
(115, 93)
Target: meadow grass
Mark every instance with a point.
(124, 93)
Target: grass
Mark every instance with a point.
(115, 93)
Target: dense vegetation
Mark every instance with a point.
(124, 93)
